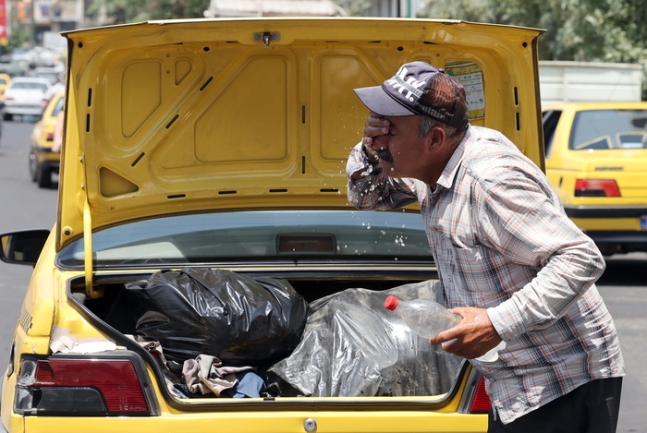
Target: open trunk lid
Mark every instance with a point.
(172, 117)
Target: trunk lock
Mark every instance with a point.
(310, 425)
(267, 37)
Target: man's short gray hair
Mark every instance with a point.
(427, 123)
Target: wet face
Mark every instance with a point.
(401, 149)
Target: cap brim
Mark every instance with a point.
(379, 102)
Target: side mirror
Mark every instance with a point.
(22, 248)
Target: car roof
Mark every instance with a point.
(30, 80)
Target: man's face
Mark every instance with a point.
(399, 150)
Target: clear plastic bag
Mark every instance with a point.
(352, 346)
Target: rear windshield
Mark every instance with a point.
(609, 129)
(29, 86)
(258, 236)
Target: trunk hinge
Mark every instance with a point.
(88, 253)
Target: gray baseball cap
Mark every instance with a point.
(419, 88)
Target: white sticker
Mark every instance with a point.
(471, 77)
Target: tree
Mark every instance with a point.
(128, 11)
(581, 30)
(354, 8)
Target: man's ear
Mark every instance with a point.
(436, 136)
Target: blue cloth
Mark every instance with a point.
(249, 384)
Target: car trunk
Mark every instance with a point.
(388, 360)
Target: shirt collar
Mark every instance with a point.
(449, 173)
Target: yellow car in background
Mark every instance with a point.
(596, 158)
(214, 151)
(5, 80)
(46, 140)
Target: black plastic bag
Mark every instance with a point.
(241, 320)
(353, 346)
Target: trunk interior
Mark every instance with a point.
(362, 354)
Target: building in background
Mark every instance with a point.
(394, 8)
(268, 8)
(272, 8)
(48, 16)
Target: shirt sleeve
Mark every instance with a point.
(522, 218)
(374, 190)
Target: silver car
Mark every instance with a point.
(24, 96)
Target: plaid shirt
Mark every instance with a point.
(502, 241)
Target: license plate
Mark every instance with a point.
(643, 222)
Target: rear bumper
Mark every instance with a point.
(619, 237)
(44, 155)
(605, 211)
(629, 241)
(32, 110)
(52, 166)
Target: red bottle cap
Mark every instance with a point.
(391, 303)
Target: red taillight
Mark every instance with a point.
(9, 98)
(480, 401)
(50, 137)
(596, 188)
(81, 387)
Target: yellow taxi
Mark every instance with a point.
(5, 80)
(46, 139)
(206, 271)
(596, 158)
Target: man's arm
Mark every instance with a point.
(529, 227)
(523, 221)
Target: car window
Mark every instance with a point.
(258, 235)
(29, 86)
(609, 129)
(58, 107)
(550, 120)
(53, 78)
(3, 81)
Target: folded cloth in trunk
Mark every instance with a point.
(352, 346)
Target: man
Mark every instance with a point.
(57, 87)
(509, 259)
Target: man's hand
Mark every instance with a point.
(471, 338)
(374, 127)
